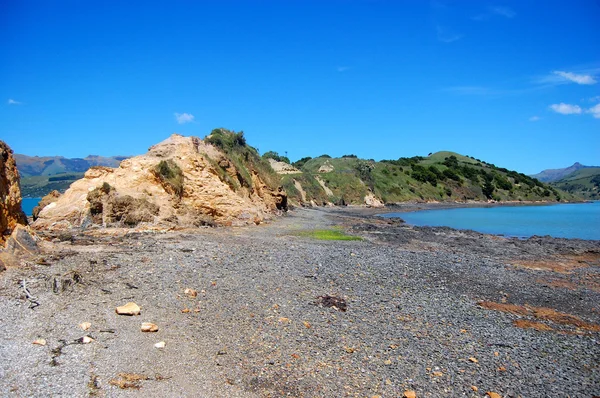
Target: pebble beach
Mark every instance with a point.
(270, 311)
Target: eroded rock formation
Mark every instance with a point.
(11, 213)
(182, 181)
(46, 200)
(15, 240)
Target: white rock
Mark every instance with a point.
(160, 345)
(149, 327)
(129, 309)
(85, 325)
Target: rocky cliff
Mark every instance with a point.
(183, 181)
(11, 213)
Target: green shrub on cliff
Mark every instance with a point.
(275, 156)
(170, 176)
(243, 157)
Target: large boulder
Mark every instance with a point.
(11, 213)
(182, 181)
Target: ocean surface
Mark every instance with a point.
(28, 204)
(580, 220)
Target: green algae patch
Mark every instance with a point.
(328, 234)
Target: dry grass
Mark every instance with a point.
(563, 264)
(525, 324)
(541, 313)
(128, 381)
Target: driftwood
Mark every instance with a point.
(33, 301)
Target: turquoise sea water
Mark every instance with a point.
(580, 220)
(28, 204)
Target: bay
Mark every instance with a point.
(28, 204)
(581, 220)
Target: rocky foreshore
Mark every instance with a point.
(268, 311)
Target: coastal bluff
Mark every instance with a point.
(11, 213)
(180, 182)
(15, 240)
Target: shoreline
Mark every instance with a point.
(433, 206)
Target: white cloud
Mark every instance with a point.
(576, 78)
(446, 35)
(595, 99)
(13, 102)
(492, 11)
(183, 118)
(595, 111)
(534, 118)
(566, 109)
(503, 11)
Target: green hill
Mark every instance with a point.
(43, 174)
(442, 176)
(30, 166)
(40, 186)
(583, 182)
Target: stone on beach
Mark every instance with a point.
(149, 327)
(85, 325)
(160, 344)
(128, 309)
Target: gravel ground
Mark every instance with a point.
(258, 328)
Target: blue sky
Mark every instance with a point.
(515, 83)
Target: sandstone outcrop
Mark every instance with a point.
(283, 168)
(15, 240)
(327, 167)
(46, 200)
(182, 181)
(373, 201)
(11, 213)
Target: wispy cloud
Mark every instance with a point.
(534, 118)
(585, 76)
(495, 11)
(595, 99)
(13, 102)
(576, 78)
(595, 111)
(446, 35)
(566, 109)
(342, 68)
(183, 118)
(503, 11)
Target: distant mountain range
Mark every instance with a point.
(579, 180)
(551, 175)
(43, 174)
(30, 166)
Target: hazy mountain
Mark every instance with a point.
(30, 166)
(42, 174)
(551, 175)
(584, 182)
